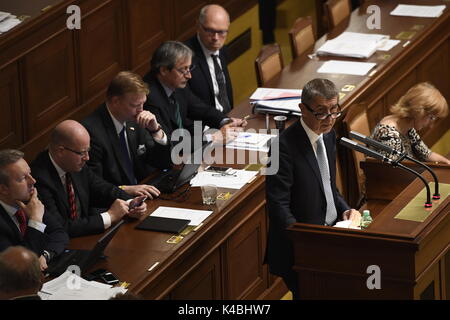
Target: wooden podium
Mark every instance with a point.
(413, 257)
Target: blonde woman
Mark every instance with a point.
(419, 108)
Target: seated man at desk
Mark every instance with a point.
(71, 191)
(210, 79)
(416, 110)
(24, 220)
(174, 104)
(127, 143)
(304, 188)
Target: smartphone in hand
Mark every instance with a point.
(137, 202)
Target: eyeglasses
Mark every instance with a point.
(185, 72)
(432, 117)
(80, 153)
(212, 32)
(323, 116)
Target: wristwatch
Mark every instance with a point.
(46, 255)
(156, 130)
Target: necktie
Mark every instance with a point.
(176, 109)
(326, 181)
(71, 195)
(126, 156)
(223, 97)
(22, 219)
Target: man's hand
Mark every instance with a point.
(352, 215)
(43, 263)
(34, 209)
(118, 209)
(147, 120)
(237, 122)
(138, 211)
(142, 190)
(226, 134)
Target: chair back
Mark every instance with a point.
(337, 11)
(301, 36)
(268, 64)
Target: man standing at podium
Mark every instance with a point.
(304, 188)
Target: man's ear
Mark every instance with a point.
(4, 189)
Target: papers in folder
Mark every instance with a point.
(234, 180)
(276, 101)
(251, 141)
(353, 44)
(418, 11)
(346, 67)
(275, 93)
(7, 21)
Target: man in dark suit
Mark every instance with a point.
(304, 188)
(210, 78)
(23, 218)
(174, 104)
(20, 274)
(127, 141)
(71, 191)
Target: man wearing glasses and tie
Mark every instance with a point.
(210, 79)
(304, 188)
(173, 103)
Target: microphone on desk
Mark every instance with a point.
(374, 154)
(378, 145)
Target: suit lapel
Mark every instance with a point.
(132, 140)
(11, 225)
(55, 181)
(203, 65)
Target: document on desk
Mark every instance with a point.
(251, 141)
(282, 106)
(70, 286)
(8, 23)
(196, 216)
(275, 93)
(405, 10)
(353, 44)
(235, 179)
(346, 67)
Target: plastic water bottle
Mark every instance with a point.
(366, 219)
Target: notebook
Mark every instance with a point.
(162, 224)
(84, 259)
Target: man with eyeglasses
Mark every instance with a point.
(304, 188)
(174, 104)
(210, 79)
(71, 191)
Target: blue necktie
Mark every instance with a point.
(126, 156)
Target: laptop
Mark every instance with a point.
(84, 259)
(173, 179)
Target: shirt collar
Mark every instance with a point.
(11, 210)
(206, 52)
(313, 137)
(117, 124)
(167, 90)
(61, 172)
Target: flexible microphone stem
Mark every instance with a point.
(373, 143)
(371, 153)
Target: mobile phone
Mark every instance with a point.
(94, 275)
(109, 278)
(136, 202)
(217, 169)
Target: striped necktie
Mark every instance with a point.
(22, 220)
(223, 97)
(71, 195)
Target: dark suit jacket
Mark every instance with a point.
(191, 108)
(91, 190)
(54, 239)
(295, 193)
(105, 155)
(201, 82)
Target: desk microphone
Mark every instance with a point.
(371, 153)
(378, 145)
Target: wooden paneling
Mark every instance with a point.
(186, 14)
(146, 33)
(400, 89)
(204, 283)
(49, 81)
(246, 277)
(10, 120)
(101, 48)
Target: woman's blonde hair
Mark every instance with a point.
(420, 100)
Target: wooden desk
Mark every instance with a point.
(413, 257)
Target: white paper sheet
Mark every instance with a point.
(346, 67)
(275, 93)
(196, 216)
(235, 181)
(251, 141)
(387, 45)
(418, 11)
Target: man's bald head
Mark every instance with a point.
(20, 273)
(213, 12)
(67, 133)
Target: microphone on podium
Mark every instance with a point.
(380, 146)
(374, 154)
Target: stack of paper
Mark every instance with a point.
(418, 11)
(352, 44)
(275, 93)
(70, 286)
(7, 21)
(346, 67)
(234, 180)
(196, 216)
(276, 101)
(251, 141)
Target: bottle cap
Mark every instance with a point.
(366, 213)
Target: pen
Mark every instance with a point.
(406, 43)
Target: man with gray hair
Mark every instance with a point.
(210, 79)
(304, 188)
(23, 219)
(20, 274)
(174, 104)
